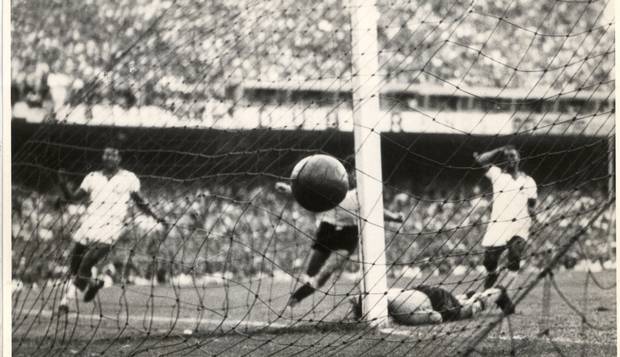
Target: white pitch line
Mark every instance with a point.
(563, 340)
(183, 320)
(234, 324)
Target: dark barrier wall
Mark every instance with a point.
(416, 161)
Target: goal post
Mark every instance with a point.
(367, 142)
(611, 191)
(212, 104)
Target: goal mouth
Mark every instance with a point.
(193, 236)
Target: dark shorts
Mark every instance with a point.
(515, 247)
(330, 238)
(83, 258)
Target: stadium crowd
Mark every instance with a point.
(148, 59)
(185, 55)
(250, 232)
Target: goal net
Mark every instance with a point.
(216, 101)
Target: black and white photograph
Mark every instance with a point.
(309, 178)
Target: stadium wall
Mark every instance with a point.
(409, 159)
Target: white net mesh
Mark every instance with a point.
(219, 100)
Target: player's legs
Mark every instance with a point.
(334, 264)
(327, 264)
(83, 279)
(69, 290)
(516, 247)
(309, 279)
(333, 247)
(356, 306)
(491, 260)
(75, 257)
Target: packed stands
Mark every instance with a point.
(135, 53)
(437, 237)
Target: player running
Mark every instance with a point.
(432, 305)
(514, 200)
(107, 193)
(335, 242)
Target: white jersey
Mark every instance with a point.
(509, 213)
(345, 214)
(104, 218)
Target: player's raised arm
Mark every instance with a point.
(488, 158)
(71, 195)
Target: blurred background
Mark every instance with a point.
(219, 99)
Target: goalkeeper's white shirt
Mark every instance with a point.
(104, 218)
(509, 214)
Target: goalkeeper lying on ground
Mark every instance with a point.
(433, 305)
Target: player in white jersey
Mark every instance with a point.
(108, 193)
(514, 201)
(337, 233)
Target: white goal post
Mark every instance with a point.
(367, 141)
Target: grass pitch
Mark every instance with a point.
(248, 319)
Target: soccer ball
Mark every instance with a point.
(319, 182)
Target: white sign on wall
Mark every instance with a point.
(315, 118)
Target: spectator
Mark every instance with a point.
(223, 222)
(223, 43)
